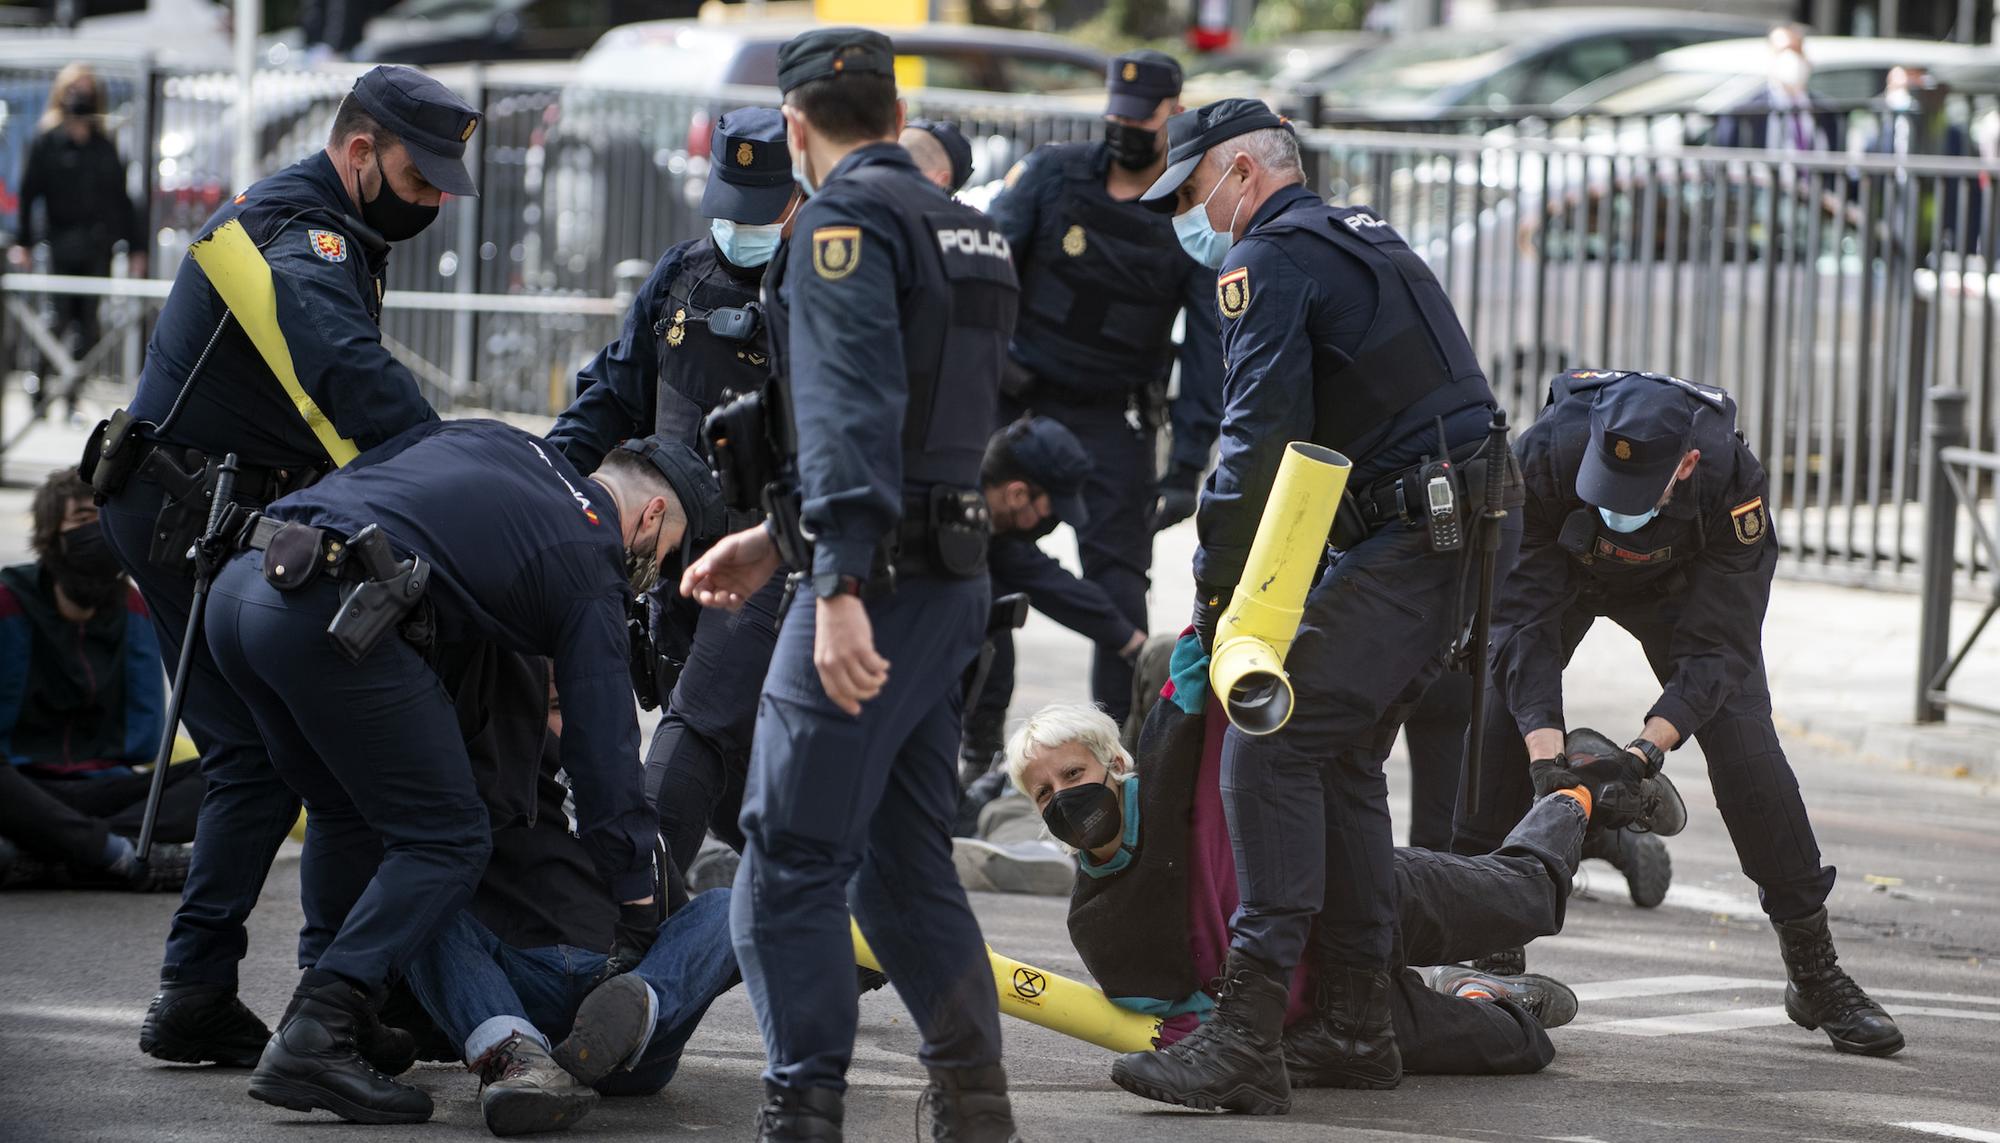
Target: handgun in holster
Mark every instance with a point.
(377, 603)
(1008, 613)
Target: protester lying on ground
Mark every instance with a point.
(81, 702)
(520, 979)
(1151, 910)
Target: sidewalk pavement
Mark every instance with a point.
(1842, 660)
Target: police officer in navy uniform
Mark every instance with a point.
(890, 315)
(1334, 332)
(1101, 283)
(496, 538)
(269, 346)
(696, 332)
(1645, 506)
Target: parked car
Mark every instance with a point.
(1517, 59)
(1272, 71)
(451, 31)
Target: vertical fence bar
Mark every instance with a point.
(1944, 427)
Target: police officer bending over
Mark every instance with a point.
(695, 334)
(1646, 507)
(892, 310)
(268, 347)
(1101, 282)
(476, 531)
(1336, 333)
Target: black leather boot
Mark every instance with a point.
(1349, 1040)
(1641, 857)
(314, 1062)
(201, 1024)
(390, 1050)
(1823, 996)
(1234, 1061)
(969, 1105)
(799, 1115)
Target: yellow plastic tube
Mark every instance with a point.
(1248, 667)
(1054, 1002)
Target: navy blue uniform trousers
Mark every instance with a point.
(1308, 806)
(396, 834)
(1755, 788)
(854, 813)
(1115, 546)
(247, 809)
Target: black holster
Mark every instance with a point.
(377, 604)
(111, 454)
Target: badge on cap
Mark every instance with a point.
(471, 125)
(1130, 73)
(744, 154)
(1748, 518)
(1232, 292)
(1622, 450)
(836, 251)
(1074, 243)
(328, 245)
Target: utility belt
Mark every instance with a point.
(1147, 403)
(378, 592)
(1407, 496)
(943, 534)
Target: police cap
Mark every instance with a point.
(1639, 430)
(956, 146)
(750, 169)
(1138, 81)
(694, 486)
(826, 52)
(1191, 133)
(1053, 460)
(433, 123)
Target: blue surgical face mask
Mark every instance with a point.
(744, 245)
(1199, 237)
(1620, 522)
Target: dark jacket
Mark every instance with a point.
(81, 188)
(77, 700)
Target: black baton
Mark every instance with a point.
(204, 569)
(1491, 515)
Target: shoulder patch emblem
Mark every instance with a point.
(1073, 242)
(836, 251)
(1232, 292)
(1748, 519)
(328, 245)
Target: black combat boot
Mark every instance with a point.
(799, 1115)
(523, 1090)
(1549, 1001)
(969, 1105)
(389, 1050)
(1641, 857)
(1348, 1041)
(1234, 1061)
(314, 1062)
(192, 1023)
(1823, 996)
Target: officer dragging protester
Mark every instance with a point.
(268, 348)
(695, 336)
(1102, 281)
(1336, 333)
(453, 532)
(892, 307)
(1646, 507)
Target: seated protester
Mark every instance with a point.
(81, 701)
(1157, 886)
(515, 975)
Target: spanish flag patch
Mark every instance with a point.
(1748, 519)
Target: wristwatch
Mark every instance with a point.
(830, 584)
(1656, 758)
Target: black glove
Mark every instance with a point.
(1209, 604)
(1175, 496)
(1552, 774)
(638, 927)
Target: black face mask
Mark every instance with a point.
(79, 103)
(1133, 148)
(392, 216)
(1084, 817)
(85, 569)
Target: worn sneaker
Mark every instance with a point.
(522, 1090)
(1641, 857)
(712, 868)
(1549, 1001)
(1502, 962)
(612, 1027)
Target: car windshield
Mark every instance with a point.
(1414, 69)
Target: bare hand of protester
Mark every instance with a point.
(733, 570)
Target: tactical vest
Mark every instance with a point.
(1131, 927)
(1414, 363)
(697, 367)
(1100, 288)
(955, 315)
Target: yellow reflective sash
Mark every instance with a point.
(238, 271)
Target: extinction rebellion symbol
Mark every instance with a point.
(1029, 984)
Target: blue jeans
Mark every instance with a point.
(481, 990)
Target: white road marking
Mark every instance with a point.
(1729, 1019)
(1951, 1131)
(1600, 990)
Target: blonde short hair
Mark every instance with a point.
(1058, 725)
